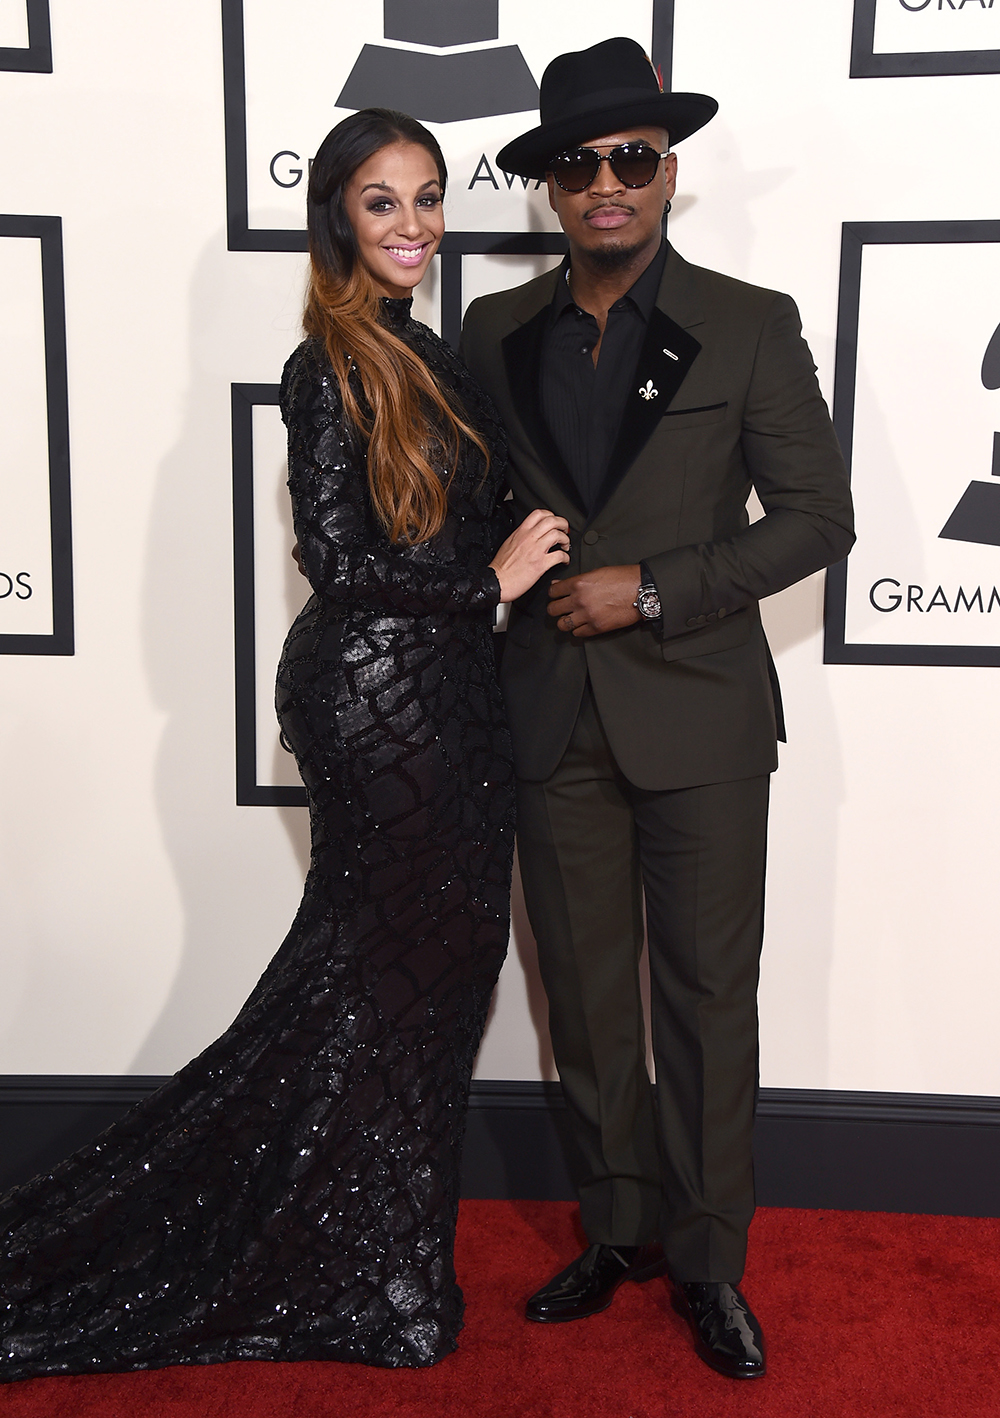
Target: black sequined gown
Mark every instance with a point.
(292, 1193)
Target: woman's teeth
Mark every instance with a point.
(410, 254)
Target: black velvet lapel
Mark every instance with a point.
(522, 352)
(667, 353)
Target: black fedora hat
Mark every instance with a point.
(593, 91)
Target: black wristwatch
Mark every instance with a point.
(647, 602)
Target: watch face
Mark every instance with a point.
(649, 605)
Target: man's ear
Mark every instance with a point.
(550, 182)
(670, 173)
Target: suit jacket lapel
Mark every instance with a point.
(668, 352)
(522, 352)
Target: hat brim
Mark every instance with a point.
(680, 114)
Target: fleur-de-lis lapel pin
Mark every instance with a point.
(647, 391)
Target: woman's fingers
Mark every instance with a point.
(541, 518)
(550, 536)
(539, 544)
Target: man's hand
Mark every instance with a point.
(596, 601)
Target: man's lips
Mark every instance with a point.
(608, 217)
(407, 255)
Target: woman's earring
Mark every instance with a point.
(667, 207)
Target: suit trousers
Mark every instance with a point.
(675, 1162)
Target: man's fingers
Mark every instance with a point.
(561, 588)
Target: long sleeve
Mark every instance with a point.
(502, 523)
(797, 470)
(345, 554)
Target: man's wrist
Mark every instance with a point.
(647, 601)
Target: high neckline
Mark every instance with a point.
(396, 309)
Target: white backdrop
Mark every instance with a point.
(13, 24)
(139, 902)
(292, 87)
(25, 563)
(911, 466)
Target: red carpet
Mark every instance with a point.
(866, 1313)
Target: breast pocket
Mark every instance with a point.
(694, 418)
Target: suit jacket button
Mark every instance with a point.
(701, 620)
(591, 537)
(691, 623)
(710, 616)
(721, 612)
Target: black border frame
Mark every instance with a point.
(37, 58)
(249, 793)
(48, 230)
(456, 244)
(855, 237)
(866, 64)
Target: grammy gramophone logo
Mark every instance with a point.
(438, 86)
(977, 516)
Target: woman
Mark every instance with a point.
(292, 1193)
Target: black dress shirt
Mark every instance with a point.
(582, 405)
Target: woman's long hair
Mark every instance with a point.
(405, 415)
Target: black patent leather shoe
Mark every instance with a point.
(588, 1285)
(727, 1334)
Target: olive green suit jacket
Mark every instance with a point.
(723, 399)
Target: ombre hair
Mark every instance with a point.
(405, 414)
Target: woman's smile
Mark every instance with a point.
(407, 255)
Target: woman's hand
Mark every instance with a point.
(538, 545)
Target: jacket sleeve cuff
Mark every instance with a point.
(646, 578)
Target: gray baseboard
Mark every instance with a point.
(46, 1117)
(933, 1153)
(936, 1153)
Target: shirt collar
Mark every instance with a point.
(642, 293)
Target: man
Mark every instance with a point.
(643, 398)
